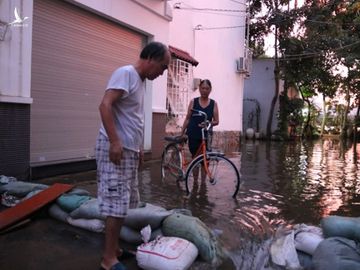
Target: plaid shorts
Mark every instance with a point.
(117, 184)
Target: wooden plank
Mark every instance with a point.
(27, 207)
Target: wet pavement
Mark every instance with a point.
(46, 243)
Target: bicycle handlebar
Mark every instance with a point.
(201, 113)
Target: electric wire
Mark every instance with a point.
(315, 54)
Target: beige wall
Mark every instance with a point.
(216, 50)
(15, 52)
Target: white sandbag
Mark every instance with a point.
(78, 191)
(138, 218)
(94, 225)
(282, 250)
(134, 237)
(30, 194)
(56, 212)
(6, 179)
(166, 253)
(307, 237)
(307, 242)
(20, 188)
(89, 209)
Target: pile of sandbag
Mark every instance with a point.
(291, 247)
(340, 250)
(13, 191)
(332, 246)
(176, 237)
(87, 216)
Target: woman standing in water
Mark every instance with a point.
(193, 122)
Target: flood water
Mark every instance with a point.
(282, 183)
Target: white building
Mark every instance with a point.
(213, 32)
(56, 57)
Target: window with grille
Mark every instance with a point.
(179, 83)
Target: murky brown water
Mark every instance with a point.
(283, 183)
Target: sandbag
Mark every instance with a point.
(134, 237)
(307, 238)
(20, 188)
(347, 227)
(282, 250)
(166, 253)
(138, 218)
(307, 242)
(30, 194)
(78, 191)
(56, 212)
(305, 260)
(195, 231)
(94, 225)
(89, 209)
(336, 253)
(9, 200)
(6, 179)
(69, 202)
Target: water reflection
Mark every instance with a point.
(283, 182)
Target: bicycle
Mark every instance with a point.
(212, 167)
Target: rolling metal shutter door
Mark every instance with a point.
(73, 55)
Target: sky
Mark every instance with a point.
(269, 41)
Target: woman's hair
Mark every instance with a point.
(206, 81)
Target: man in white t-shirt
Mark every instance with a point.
(119, 144)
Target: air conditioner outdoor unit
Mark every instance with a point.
(196, 82)
(241, 65)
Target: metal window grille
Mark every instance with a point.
(179, 83)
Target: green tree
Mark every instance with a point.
(328, 35)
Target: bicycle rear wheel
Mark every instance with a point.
(171, 162)
(222, 179)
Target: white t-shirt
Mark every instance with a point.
(129, 109)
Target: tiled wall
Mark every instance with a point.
(15, 140)
(158, 133)
(226, 141)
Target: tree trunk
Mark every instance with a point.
(276, 92)
(356, 124)
(343, 132)
(324, 118)
(307, 132)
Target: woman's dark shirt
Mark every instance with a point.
(193, 130)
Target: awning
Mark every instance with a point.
(185, 56)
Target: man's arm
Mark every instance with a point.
(107, 117)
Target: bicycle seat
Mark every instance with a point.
(176, 139)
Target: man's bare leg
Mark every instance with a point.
(112, 230)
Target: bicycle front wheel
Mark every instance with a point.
(171, 162)
(219, 180)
